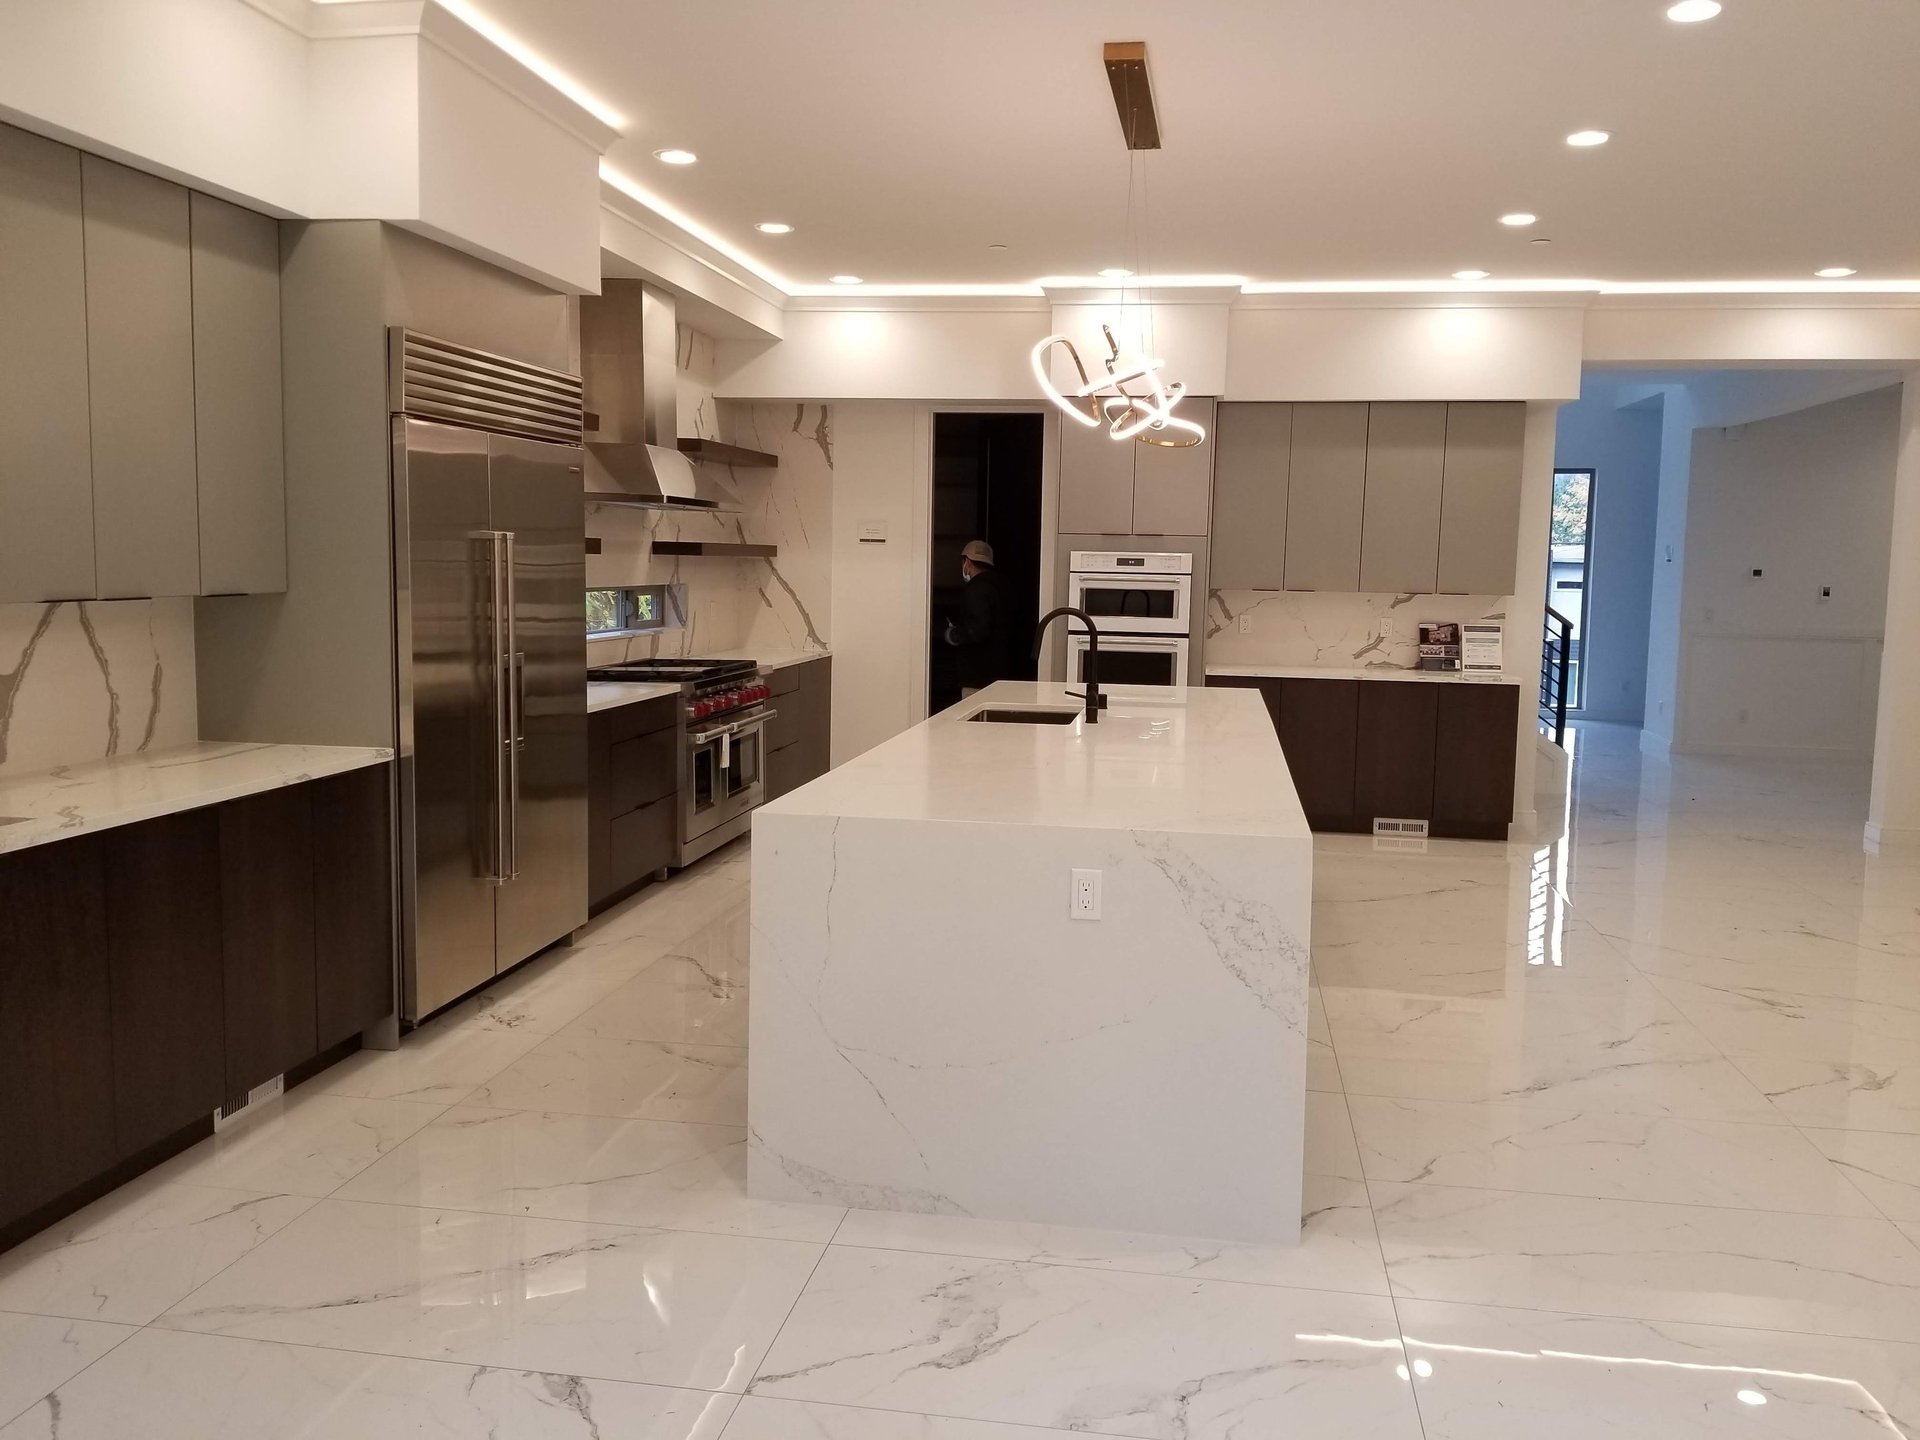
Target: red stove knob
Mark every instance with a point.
(702, 709)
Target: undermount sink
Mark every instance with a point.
(991, 716)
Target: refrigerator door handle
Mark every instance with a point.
(514, 739)
(501, 688)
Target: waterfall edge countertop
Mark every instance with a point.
(72, 800)
(1364, 672)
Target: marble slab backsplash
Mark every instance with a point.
(1325, 627)
(779, 603)
(84, 679)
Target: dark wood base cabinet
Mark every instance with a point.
(1366, 750)
(154, 972)
(633, 797)
(798, 736)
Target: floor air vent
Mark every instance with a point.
(1400, 829)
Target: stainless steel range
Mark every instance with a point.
(723, 710)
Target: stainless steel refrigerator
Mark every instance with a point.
(489, 577)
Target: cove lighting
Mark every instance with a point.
(512, 45)
(1835, 272)
(1518, 218)
(673, 215)
(675, 157)
(1691, 12)
(773, 227)
(1115, 273)
(1473, 275)
(1587, 139)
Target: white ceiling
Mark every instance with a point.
(1305, 140)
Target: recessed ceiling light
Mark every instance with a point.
(1540, 240)
(1471, 274)
(1115, 273)
(996, 246)
(774, 227)
(675, 157)
(1587, 139)
(1518, 218)
(1835, 272)
(846, 280)
(1750, 1397)
(1689, 12)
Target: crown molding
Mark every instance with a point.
(856, 300)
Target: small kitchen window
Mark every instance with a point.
(625, 609)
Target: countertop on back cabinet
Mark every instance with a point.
(1366, 672)
(768, 659)
(70, 800)
(611, 694)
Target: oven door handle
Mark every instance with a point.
(740, 727)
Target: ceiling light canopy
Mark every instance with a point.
(1692, 12)
(1519, 218)
(1835, 272)
(675, 157)
(774, 227)
(1472, 274)
(1587, 139)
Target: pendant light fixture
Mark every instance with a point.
(1131, 399)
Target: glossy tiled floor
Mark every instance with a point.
(1613, 1136)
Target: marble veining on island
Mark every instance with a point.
(932, 1032)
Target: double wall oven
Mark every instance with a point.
(1142, 604)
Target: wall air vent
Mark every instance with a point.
(439, 380)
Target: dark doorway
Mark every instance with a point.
(986, 486)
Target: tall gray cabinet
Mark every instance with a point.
(46, 474)
(140, 404)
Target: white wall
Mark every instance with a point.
(1715, 330)
(965, 352)
(882, 476)
(1807, 499)
(1622, 447)
(1893, 809)
(1665, 603)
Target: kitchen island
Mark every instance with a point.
(932, 1028)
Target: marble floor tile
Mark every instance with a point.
(1820, 1274)
(762, 1419)
(436, 1064)
(1547, 1147)
(543, 996)
(167, 1385)
(1323, 1069)
(657, 1306)
(130, 1255)
(306, 1143)
(631, 1079)
(1490, 1374)
(1624, 1048)
(1149, 1356)
(1840, 1094)
(40, 1352)
(1805, 1012)
(1338, 1249)
(676, 998)
(1886, 1167)
(660, 1173)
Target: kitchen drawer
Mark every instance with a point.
(642, 841)
(629, 722)
(786, 725)
(785, 680)
(642, 771)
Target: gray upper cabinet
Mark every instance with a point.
(139, 331)
(1399, 537)
(1096, 481)
(236, 394)
(1480, 497)
(1325, 488)
(46, 475)
(1252, 441)
(1172, 487)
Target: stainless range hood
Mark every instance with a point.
(626, 353)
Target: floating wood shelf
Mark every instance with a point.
(726, 454)
(727, 549)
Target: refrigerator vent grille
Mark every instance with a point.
(439, 380)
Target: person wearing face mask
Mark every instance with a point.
(979, 631)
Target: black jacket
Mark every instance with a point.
(979, 631)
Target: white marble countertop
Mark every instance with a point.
(99, 794)
(769, 659)
(611, 694)
(1162, 758)
(1364, 672)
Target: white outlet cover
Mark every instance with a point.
(1083, 900)
(1246, 622)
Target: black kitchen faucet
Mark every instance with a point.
(1096, 702)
